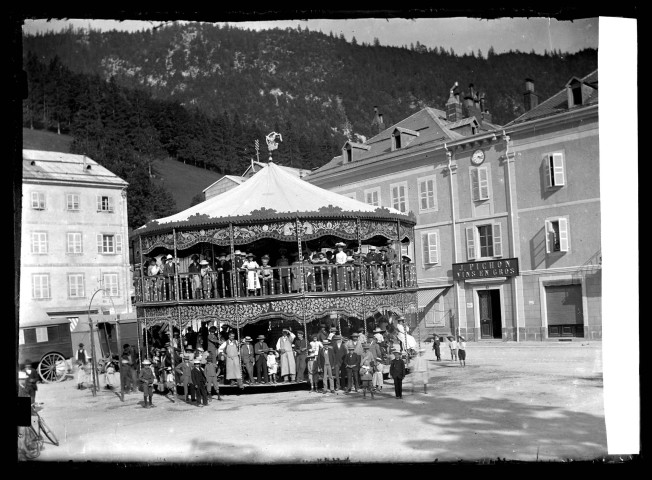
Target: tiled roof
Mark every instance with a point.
(428, 122)
(558, 103)
(39, 165)
(461, 123)
(233, 178)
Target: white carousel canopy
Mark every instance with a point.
(276, 189)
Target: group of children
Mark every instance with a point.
(457, 348)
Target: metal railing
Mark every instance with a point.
(274, 281)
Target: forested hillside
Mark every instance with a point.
(203, 94)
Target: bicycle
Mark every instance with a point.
(30, 439)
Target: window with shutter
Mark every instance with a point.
(427, 194)
(399, 196)
(72, 201)
(433, 247)
(498, 241)
(470, 243)
(100, 248)
(483, 181)
(554, 170)
(110, 284)
(118, 243)
(563, 235)
(485, 240)
(557, 235)
(38, 200)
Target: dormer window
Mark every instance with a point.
(352, 151)
(397, 139)
(578, 92)
(402, 137)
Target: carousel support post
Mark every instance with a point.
(234, 274)
(142, 270)
(171, 326)
(176, 266)
(237, 320)
(300, 253)
(146, 340)
(138, 339)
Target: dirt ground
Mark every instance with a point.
(525, 402)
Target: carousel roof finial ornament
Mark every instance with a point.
(273, 139)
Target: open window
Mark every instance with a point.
(553, 165)
(484, 241)
(557, 235)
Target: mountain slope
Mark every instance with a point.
(323, 84)
(181, 180)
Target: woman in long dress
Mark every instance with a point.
(253, 283)
(284, 348)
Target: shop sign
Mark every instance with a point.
(506, 267)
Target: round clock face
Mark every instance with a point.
(478, 157)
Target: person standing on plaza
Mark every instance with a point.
(213, 341)
(125, 371)
(184, 370)
(260, 353)
(461, 350)
(352, 364)
(233, 369)
(31, 382)
(247, 359)
(199, 381)
(284, 348)
(147, 379)
(339, 351)
(397, 372)
(378, 381)
(313, 373)
(452, 345)
(211, 371)
(301, 346)
(420, 371)
(82, 357)
(326, 361)
(436, 347)
(367, 364)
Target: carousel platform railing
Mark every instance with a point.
(275, 282)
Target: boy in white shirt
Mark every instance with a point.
(452, 344)
(461, 350)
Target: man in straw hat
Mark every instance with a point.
(146, 379)
(301, 346)
(397, 372)
(352, 364)
(184, 371)
(212, 371)
(326, 361)
(82, 357)
(340, 351)
(247, 359)
(233, 370)
(284, 348)
(199, 381)
(260, 354)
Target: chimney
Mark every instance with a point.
(482, 102)
(453, 106)
(378, 120)
(530, 99)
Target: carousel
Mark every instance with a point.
(273, 253)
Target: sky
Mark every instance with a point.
(463, 35)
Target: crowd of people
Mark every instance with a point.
(341, 270)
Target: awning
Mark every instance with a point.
(426, 296)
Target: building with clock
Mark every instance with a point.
(507, 239)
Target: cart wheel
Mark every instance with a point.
(49, 368)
